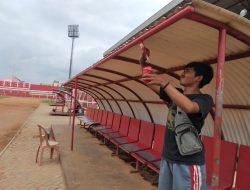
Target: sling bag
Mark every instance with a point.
(186, 135)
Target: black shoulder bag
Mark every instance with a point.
(186, 135)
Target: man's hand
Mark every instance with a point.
(144, 56)
(156, 79)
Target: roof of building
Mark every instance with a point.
(181, 32)
(13, 78)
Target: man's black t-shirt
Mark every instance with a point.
(170, 150)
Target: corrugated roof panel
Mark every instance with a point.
(115, 107)
(159, 113)
(237, 74)
(126, 109)
(140, 111)
(236, 126)
(125, 92)
(208, 128)
(143, 91)
(173, 46)
(128, 68)
(106, 75)
(115, 94)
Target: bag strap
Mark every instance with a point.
(181, 117)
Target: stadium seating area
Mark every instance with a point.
(144, 141)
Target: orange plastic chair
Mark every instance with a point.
(45, 142)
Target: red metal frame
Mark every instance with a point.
(218, 107)
(224, 29)
(73, 122)
(70, 108)
(181, 14)
(92, 94)
(105, 91)
(216, 24)
(106, 86)
(127, 88)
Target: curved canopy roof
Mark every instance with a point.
(181, 32)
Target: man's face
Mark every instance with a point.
(188, 77)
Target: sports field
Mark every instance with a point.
(14, 112)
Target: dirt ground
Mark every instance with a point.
(14, 111)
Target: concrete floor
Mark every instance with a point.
(91, 167)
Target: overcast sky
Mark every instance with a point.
(34, 45)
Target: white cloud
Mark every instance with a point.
(34, 44)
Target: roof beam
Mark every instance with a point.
(82, 87)
(161, 69)
(95, 98)
(107, 99)
(216, 24)
(127, 88)
(99, 84)
(148, 102)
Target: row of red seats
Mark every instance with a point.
(234, 160)
(144, 140)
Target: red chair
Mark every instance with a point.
(97, 119)
(103, 125)
(227, 164)
(145, 139)
(133, 134)
(115, 125)
(101, 120)
(123, 131)
(89, 118)
(155, 165)
(243, 169)
(153, 154)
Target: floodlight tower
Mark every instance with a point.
(73, 33)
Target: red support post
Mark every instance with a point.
(70, 108)
(218, 108)
(73, 121)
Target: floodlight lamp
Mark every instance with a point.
(243, 12)
(73, 31)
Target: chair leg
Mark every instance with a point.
(136, 168)
(51, 153)
(116, 153)
(58, 154)
(37, 152)
(41, 156)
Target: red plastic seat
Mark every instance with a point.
(133, 134)
(115, 125)
(145, 139)
(103, 125)
(228, 162)
(155, 152)
(155, 165)
(123, 131)
(89, 118)
(243, 169)
(101, 120)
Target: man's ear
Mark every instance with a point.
(199, 78)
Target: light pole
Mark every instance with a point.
(73, 33)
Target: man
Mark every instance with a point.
(179, 172)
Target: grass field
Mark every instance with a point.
(14, 112)
(1, 97)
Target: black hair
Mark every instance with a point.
(202, 69)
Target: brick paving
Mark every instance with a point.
(89, 167)
(18, 170)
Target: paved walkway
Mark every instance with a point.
(89, 167)
(18, 170)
